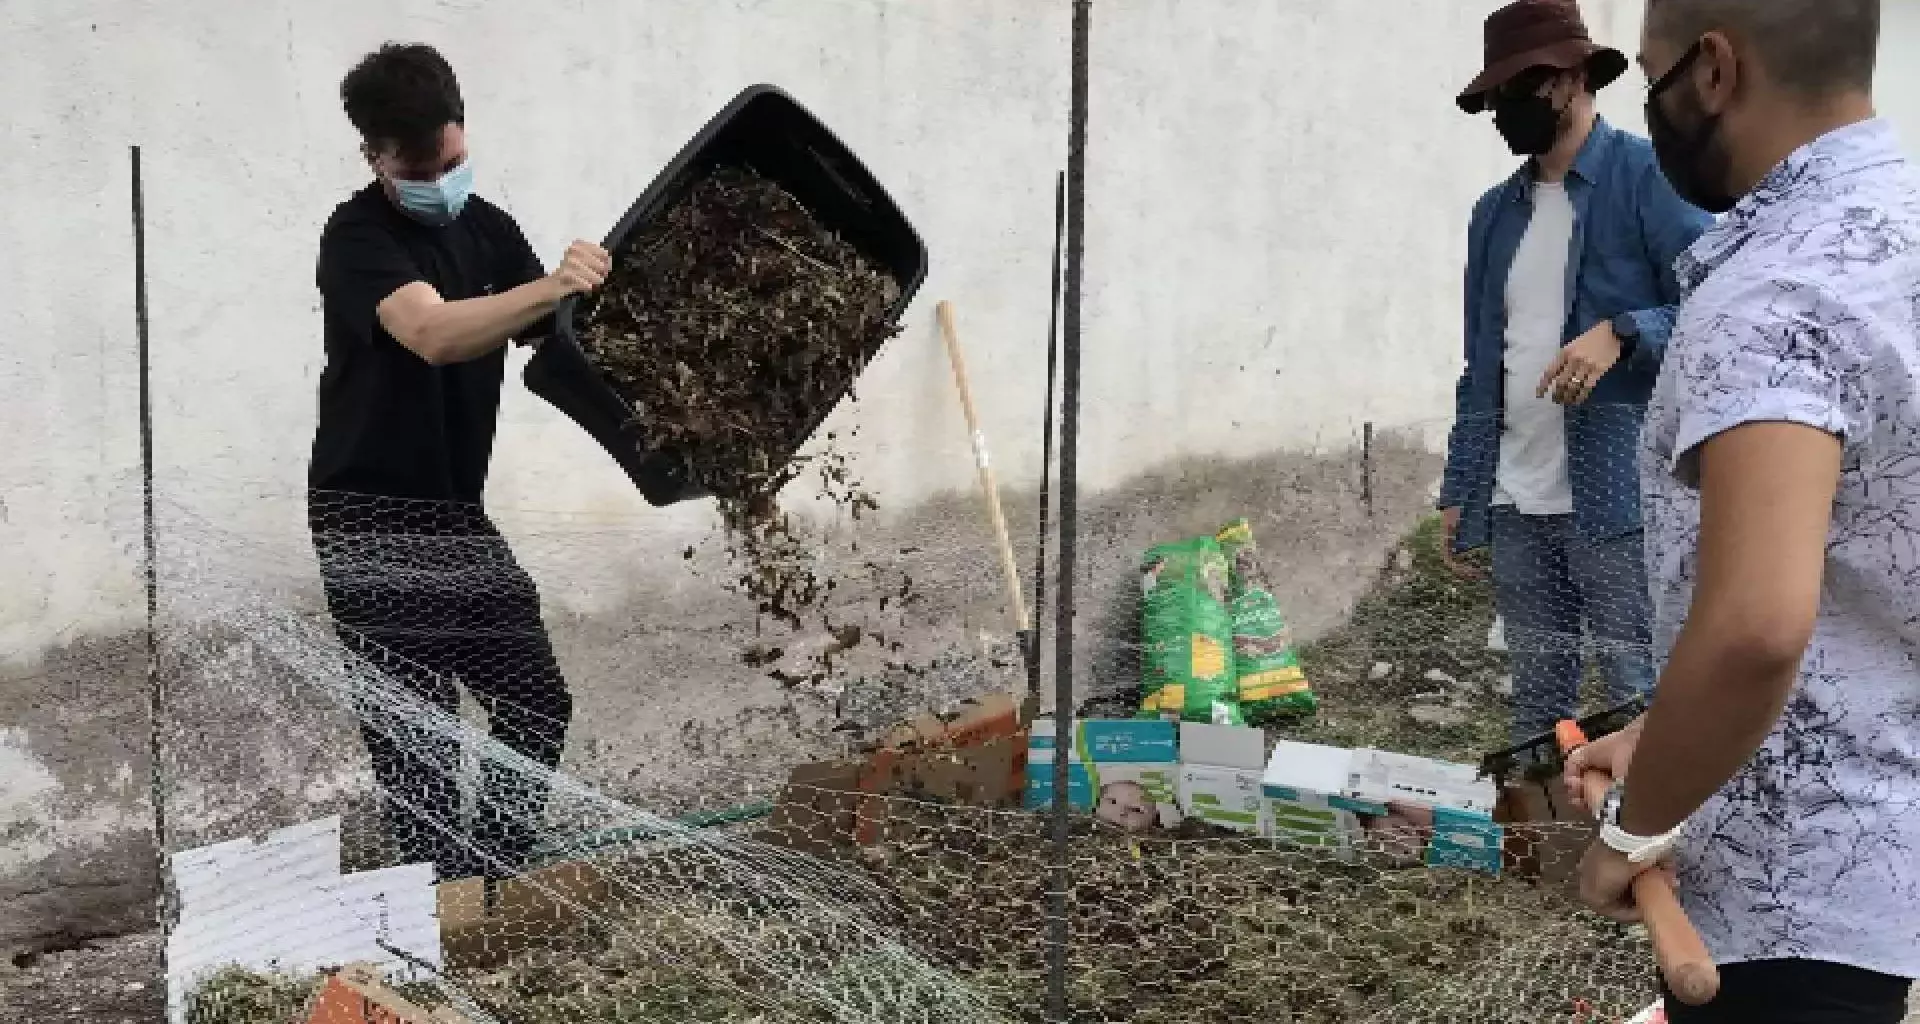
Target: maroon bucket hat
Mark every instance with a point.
(1539, 33)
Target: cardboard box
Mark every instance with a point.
(923, 753)
(819, 809)
(1302, 789)
(1382, 777)
(975, 758)
(482, 924)
(358, 994)
(1347, 800)
(991, 773)
(1546, 835)
(1127, 771)
(279, 904)
(989, 717)
(1461, 804)
(1220, 776)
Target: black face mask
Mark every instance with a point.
(1687, 157)
(1529, 123)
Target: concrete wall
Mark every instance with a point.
(959, 108)
(1277, 201)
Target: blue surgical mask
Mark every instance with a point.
(439, 202)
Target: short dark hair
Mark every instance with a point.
(1815, 48)
(403, 95)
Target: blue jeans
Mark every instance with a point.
(1551, 586)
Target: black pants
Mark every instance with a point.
(1798, 992)
(433, 600)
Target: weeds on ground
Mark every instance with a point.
(1417, 639)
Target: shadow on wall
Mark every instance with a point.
(1323, 524)
(77, 857)
(678, 717)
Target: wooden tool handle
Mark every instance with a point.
(1677, 947)
(1016, 597)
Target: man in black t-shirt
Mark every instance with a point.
(423, 285)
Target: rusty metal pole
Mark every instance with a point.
(1059, 903)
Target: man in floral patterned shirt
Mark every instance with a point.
(1780, 763)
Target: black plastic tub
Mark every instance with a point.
(766, 130)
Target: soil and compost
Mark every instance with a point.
(1200, 930)
(732, 325)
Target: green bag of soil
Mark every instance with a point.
(1188, 634)
(1268, 680)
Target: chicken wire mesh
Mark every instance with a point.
(392, 664)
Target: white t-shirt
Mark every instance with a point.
(1533, 448)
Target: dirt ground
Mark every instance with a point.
(111, 981)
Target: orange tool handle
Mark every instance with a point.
(1677, 947)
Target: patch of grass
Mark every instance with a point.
(536, 990)
(239, 996)
(1419, 618)
(1185, 931)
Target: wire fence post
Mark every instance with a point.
(1059, 889)
(1366, 467)
(1046, 443)
(149, 564)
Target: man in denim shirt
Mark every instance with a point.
(1569, 301)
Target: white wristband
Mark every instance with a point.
(1638, 849)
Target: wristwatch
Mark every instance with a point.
(1627, 329)
(1638, 849)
